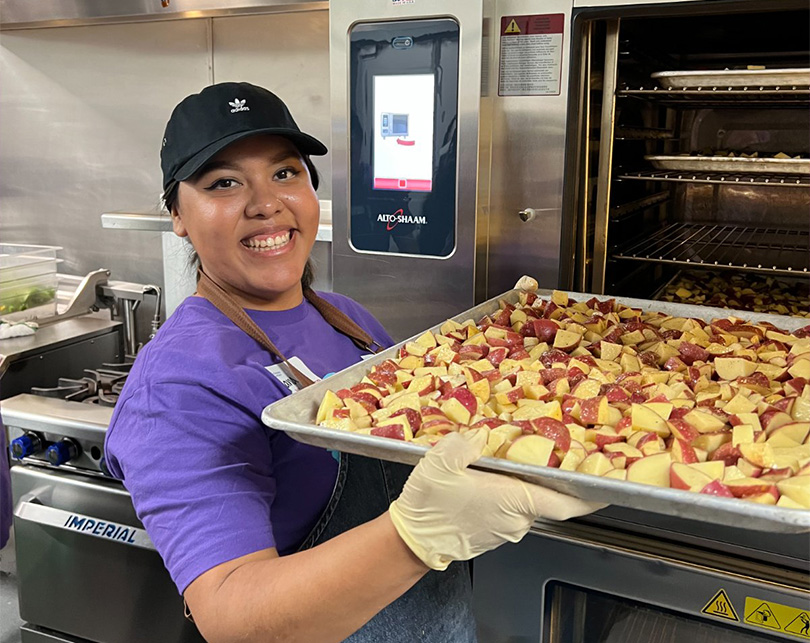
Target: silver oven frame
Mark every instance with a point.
(511, 584)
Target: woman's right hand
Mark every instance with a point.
(448, 512)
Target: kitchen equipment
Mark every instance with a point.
(730, 164)
(727, 78)
(296, 416)
(621, 574)
(434, 224)
(86, 569)
(654, 116)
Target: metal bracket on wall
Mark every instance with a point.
(84, 300)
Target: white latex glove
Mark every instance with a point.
(448, 512)
(526, 283)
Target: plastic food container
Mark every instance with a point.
(28, 298)
(19, 261)
(27, 281)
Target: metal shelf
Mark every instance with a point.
(643, 134)
(753, 249)
(679, 176)
(723, 96)
(640, 205)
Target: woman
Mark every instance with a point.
(266, 538)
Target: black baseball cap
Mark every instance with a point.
(204, 124)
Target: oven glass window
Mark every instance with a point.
(577, 615)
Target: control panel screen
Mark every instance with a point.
(403, 132)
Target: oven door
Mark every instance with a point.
(558, 588)
(85, 567)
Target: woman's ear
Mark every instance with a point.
(177, 223)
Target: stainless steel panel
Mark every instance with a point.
(296, 415)
(513, 583)
(288, 53)
(528, 156)
(407, 293)
(88, 587)
(137, 221)
(83, 114)
(19, 14)
(64, 349)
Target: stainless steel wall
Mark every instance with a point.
(82, 111)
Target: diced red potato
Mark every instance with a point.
(597, 388)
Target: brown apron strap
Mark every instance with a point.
(340, 321)
(233, 311)
(333, 316)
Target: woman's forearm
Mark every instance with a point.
(316, 596)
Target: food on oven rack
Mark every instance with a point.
(742, 155)
(720, 408)
(759, 294)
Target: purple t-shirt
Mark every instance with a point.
(208, 480)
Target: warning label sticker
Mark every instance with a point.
(531, 55)
(721, 606)
(763, 616)
(781, 618)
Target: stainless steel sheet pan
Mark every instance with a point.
(734, 164)
(296, 414)
(752, 78)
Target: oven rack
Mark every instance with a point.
(722, 246)
(640, 205)
(643, 134)
(724, 178)
(795, 96)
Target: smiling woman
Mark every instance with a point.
(252, 216)
(267, 538)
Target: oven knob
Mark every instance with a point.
(62, 451)
(25, 445)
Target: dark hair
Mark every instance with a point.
(170, 201)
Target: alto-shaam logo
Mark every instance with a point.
(391, 221)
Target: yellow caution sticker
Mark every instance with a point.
(513, 27)
(721, 606)
(780, 618)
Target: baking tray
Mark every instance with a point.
(737, 165)
(296, 414)
(753, 78)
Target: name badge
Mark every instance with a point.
(287, 379)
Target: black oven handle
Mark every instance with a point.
(29, 508)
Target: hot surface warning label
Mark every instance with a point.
(721, 606)
(531, 55)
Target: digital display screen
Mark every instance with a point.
(403, 132)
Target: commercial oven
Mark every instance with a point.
(688, 154)
(687, 176)
(647, 149)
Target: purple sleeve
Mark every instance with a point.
(199, 470)
(5, 490)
